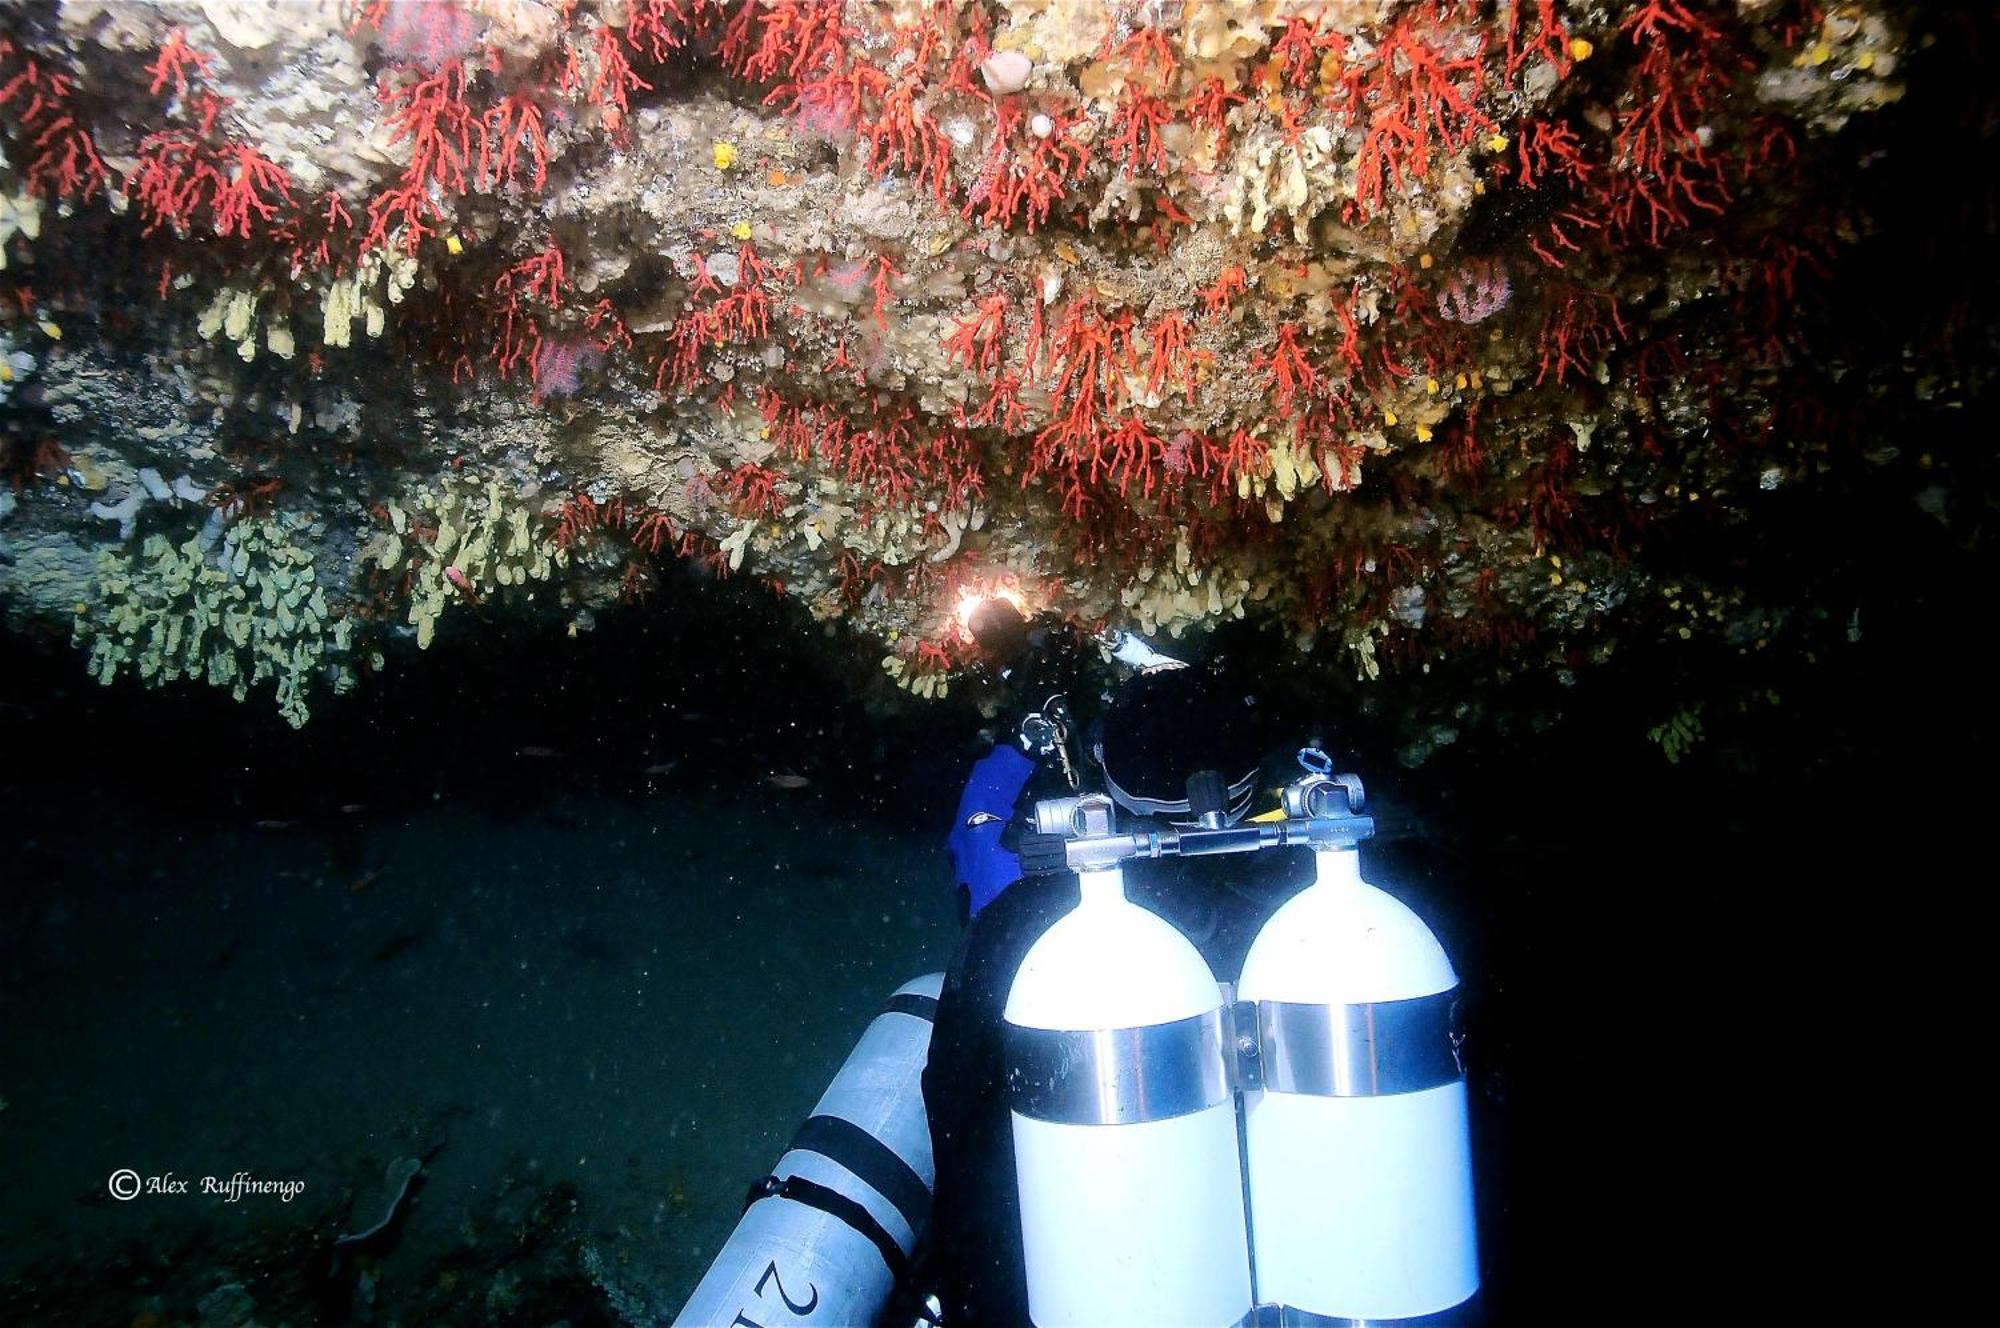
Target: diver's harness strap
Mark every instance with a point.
(1322, 811)
(841, 1209)
(1240, 795)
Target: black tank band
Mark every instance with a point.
(913, 1002)
(841, 1209)
(871, 1161)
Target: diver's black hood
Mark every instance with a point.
(1163, 727)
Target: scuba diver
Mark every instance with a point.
(1168, 1078)
(1140, 742)
(1040, 665)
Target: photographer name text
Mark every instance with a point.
(127, 1184)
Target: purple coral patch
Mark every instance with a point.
(1475, 292)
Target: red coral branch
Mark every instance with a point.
(882, 290)
(745, 313)
(178, 177)
(536, 280)
(1576, 332)
(1411, 98)
(681, 365)
(901, 132)
(1245, 457)
(1551, 152)
(1149, 53)
(1130, 449)
(334, 223)
(429, 113)
(978, 337)
(1092, 352)
(515, 122)
(243, 181)
(1349, 349)
(1550, 40)
(1686, 67)
(1210, 106)
(1292, 375)
(612, 80)
(168, 182)
(656, 28)
(1169, 362)
(1009, 187)
(753, 491)
(1229, 283)
(62, 160)
(1003, 407)
(175, 63)
(1137, 126)
(540, 276)
(609, 326)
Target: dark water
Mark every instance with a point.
(532, 913)
(630, 999)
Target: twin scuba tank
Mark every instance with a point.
(1297, 1155)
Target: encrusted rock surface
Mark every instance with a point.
(1422, 332)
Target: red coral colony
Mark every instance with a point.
(1257, 297)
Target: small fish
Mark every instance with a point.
(786, 780)
(275, 825)
(463, 583)
(661, 768)
(538, 753)
(353, 808)
(365, 880)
